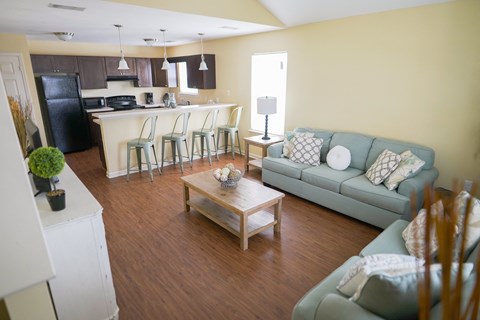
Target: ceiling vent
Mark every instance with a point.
(61, 6)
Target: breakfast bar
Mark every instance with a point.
(117, 128)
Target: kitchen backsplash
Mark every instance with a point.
(116, 88)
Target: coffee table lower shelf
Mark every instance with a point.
(257, 222)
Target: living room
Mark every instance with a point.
(408, 74)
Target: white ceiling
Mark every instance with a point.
(95, 24)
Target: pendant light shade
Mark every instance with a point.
(203, 65)
(122, 64)
(165, 64)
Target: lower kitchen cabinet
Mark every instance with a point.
(93, 74)
(83, 287)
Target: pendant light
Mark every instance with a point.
(165, 64)
(203, 65)
(122, 64)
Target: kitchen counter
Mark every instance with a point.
(115, 129)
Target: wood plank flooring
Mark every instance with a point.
(168, 264)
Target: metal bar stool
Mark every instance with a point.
(145, 144)
(231, 128)
(176, 139)
(206, 134)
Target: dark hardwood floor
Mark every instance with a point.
(168, 264)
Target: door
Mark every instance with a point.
(11, 69)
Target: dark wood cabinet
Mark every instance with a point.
(54, 64)
(201, 79)
(164, 78)
(92, 72)
(111, 64)
(144, 72)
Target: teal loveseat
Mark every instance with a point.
(349, 191)
(325, 302)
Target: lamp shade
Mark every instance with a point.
(266, 105)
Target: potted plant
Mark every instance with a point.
(47, 162)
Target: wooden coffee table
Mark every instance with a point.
(240, 210)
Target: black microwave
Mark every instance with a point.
(94, 103)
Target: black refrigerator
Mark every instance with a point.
(65, 120)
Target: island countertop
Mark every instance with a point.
(152, 111)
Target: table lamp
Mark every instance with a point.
(266, 105)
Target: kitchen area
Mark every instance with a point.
(107, 106)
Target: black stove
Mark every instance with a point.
(122, 103)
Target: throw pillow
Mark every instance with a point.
(288, 144)
(339, 158)
(306, 150)
(408, 167)
(359, 272)
(386, 162)
(394, 294)
(414, 233)
(473, 226)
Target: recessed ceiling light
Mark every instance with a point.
(229, 28)
(61, 6)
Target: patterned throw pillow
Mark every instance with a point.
(385, 164)
(414, 233)
(306, 150)
(408, 167)
(360, 271)
(288, 144)
(473, 227)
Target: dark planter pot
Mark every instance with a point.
(56, 199)
(42, 184)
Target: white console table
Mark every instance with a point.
(83, 287)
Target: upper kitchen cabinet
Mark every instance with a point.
(92, 72)
(201, 79)
(164, 78)
(144, 72)
(112, 67)
(54, 64)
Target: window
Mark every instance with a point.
(183, 80)
(269, 78)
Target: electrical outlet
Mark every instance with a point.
(467, 185)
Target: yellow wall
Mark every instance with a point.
(411, 75)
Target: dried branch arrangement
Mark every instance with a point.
(451, 235)
(20, 114)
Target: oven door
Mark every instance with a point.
(93, 103)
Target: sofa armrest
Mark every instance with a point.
(416, 185)
(275, 150)
(335, 307)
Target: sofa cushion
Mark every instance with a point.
(308, 304)
(306, 150)
(322, 134)
(284, 166)
(358, 144)
(394, 294)
(473, 227)
(380, 144)
(327, 178)
(408, 167)
(389, 241)
(361, 189)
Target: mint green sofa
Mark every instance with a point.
(325, 302)
(349, 191)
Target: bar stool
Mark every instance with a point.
(206, 134)
(176, 139)
(145, 144)
(231, 128)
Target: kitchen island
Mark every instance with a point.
(117, 128)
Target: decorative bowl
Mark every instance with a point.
(230, 182)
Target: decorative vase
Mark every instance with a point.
(56, 199)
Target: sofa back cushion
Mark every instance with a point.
(322, 134)
(379, 144)
(358, 144)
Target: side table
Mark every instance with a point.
(258, 142)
